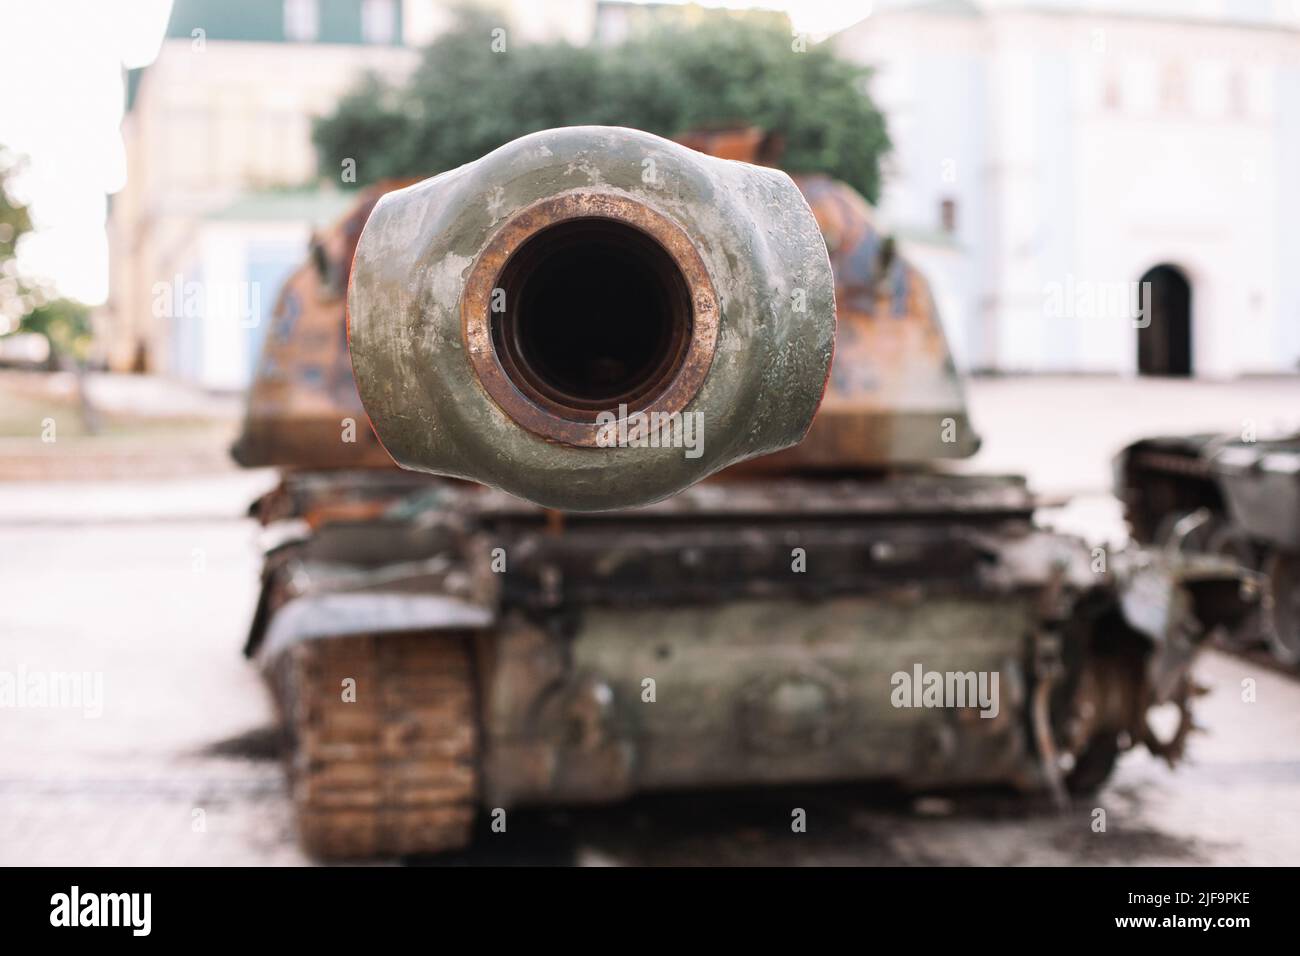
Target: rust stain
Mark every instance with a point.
(544, 418)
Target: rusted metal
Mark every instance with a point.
(1047, 671)
(568, 418)
(1283, 570)
(386, 743)
(720, 320)
(771, 675)
(770, 610)
(1219, 496)
(894, 396)
(303, 409)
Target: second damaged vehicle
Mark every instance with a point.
(1230, 498)
(842, 610)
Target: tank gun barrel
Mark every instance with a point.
(591, 318)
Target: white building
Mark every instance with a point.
(221, 193)
(217, 128)
(1051, 156)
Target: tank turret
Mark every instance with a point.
(303, 410)
(894, 397)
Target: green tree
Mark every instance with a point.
(697, 69)
(14, 222)
(27, 304)
(65, 323)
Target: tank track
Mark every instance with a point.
(395, 772)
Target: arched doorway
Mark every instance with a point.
(1165, 345)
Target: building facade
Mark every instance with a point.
(219, 203)
(1099, 188)
(222, 188)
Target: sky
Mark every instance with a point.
(61, 98)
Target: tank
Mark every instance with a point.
(1222, 495)
(844, 609)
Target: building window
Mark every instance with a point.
(1173, 88)
(378, 21)
(1238, 98)
(301, 20)
(948, 216)
(1113, 96)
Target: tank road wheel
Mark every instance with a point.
(1284, 598)
(388, 765)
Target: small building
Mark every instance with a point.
(221, 191)
(216, 130)
(215, 310)
(1105, 187)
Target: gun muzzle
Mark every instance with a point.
(591, 318)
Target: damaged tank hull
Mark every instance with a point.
(1217, 495)
(501, 657)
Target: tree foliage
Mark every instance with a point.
(709, 70)
(14, 222)
(65, 323)
(26, 304)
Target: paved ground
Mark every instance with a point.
(1063, 432)
(150, 583)
(129, 426)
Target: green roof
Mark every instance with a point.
(260, 21)
(929, 237)
(133, 78)
(263, 21)
(318, 207)
(961, 8)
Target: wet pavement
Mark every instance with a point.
(144, 588)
